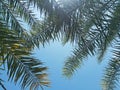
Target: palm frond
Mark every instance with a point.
(84, 49)
(112, 72)
(21, 67)
(19, 12)
(10, 18)
(28, 70)
(97, 36)
(13, 15)
(113, 30)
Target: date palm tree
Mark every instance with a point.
(92, 25)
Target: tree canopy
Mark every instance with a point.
(92, 25)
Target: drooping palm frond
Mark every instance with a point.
(102, 29)
(12, 20)
(8, 16)
(20, 65)
(17, 12)
(75, 61)
(28, 70)
(113, 29)
(84, 15)
(112, 72)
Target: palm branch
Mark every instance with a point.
(99, 30)
(112, 72)
(21, 67)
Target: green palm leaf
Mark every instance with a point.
(112, 73)
(102, 28)
(22, 68)
(28, 70)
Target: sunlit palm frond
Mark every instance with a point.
(18, 12)
(28, 70)
(21, 67)
(14, 14)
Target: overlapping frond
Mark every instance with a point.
(112, 72)
(20, 11)
(92, 24)
(22, 68)
(8, 14)
(101, 28)
(84, 15)
(112, 27)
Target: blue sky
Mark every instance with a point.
(88, 77)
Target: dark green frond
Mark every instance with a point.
(84, 49)
(102, 29)
(113, 29)
(86, 15)
(9, 18)
(28, 70)
(112, 73)
(21, 67)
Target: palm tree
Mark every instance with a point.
(92, 25)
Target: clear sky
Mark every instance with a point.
(88, 77)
